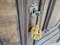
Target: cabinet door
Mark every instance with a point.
(55, 15)
(9, 34)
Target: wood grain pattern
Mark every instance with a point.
(8, 23)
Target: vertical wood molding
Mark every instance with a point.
(24, 6)
(20, 7)
(27, 14)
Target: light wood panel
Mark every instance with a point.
(56, 14)
(8, 23)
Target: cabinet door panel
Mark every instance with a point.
(8, 23)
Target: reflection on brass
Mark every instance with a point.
(8, 23)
